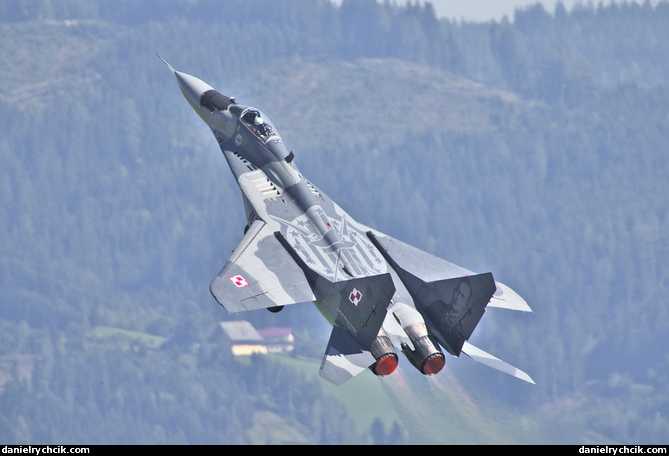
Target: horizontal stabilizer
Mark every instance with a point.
(344, 358)
(482, 357)
(506, 298)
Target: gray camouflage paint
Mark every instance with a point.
(300, 246)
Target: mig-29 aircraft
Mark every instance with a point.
(379, 294)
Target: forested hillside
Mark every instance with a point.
(535, 148)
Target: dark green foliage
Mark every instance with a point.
(116, 208)
(566, 56)
(109, 396)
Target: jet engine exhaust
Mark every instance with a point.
(384, 354)
(426, 355)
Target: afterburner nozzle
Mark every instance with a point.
(384, 354)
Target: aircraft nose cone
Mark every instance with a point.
(191, 87)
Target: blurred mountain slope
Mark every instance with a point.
(117, 208)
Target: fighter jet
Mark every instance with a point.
(380, 295)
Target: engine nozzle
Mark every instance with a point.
(426, 355)
(384, 354)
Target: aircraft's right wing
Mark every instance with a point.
(260, 274)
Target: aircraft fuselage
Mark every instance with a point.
(377, 292)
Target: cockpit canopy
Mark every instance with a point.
(256, 122)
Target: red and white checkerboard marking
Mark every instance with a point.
(355, 296)
(239, 281)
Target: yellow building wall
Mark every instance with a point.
(246, 350)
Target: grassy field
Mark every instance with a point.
(148, 340)
(363, 396)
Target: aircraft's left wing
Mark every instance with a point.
(260, 274)
(431, 268)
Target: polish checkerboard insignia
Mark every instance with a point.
(355, 296)
(239, 281)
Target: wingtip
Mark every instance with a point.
(523, 376)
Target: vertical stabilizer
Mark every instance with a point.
(344, 358)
